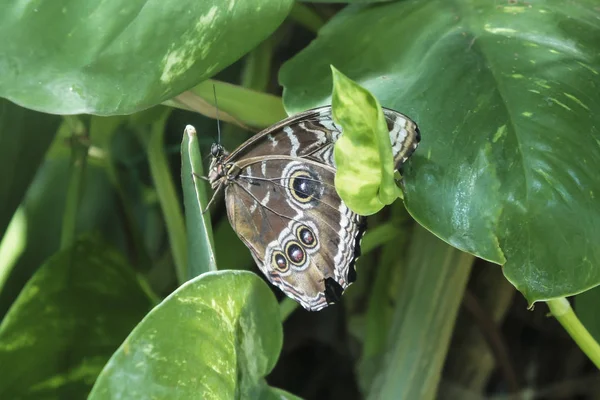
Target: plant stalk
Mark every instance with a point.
(562, 311)
(79, 151)
(167, 196)
(307, 17)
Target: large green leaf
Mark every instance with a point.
(507, 99)
(116, 57)
(24, 138)
(215, 337)
(67, 321)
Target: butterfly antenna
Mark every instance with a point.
(218, 121)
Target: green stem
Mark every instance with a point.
(79, 151)
(306, 17)
(103, 129)
(167, 196)
(562, 311)
(257, 67)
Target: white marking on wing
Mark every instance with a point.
(293, 140)
(249, 177)
(325, 111)
(332, 126)
(342, 233)
(272, 140)
(328, 156)
(263, 202)
(263, 168)
(398, 135)
(265, 199)
(321, 137)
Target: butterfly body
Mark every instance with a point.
(282, 203)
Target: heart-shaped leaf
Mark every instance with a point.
(117, 57)
(507, 99)
(215, 337)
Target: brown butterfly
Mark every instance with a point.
(282, 203)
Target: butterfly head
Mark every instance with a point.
(217, 165)
(217, 151)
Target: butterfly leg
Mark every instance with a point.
(200, 176)
(212, 199)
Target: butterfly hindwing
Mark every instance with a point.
(302, 236)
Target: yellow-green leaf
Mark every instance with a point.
(363, 154)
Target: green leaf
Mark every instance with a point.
(215, 337)
(165, 188)
(586, 305)
(67, 321)
(201, 257)
(434, 278)
(232, 253)
(44, 206)
(238, 105)
(346, 1)
(505, 97)
(12, 244)
(116, 57)
(277, 394)
(25, 136)
(363, 154)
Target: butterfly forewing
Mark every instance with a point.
(312, 134)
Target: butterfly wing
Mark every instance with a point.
(282, 203)
(300, 233)
(311, 134)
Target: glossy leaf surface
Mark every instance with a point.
(67, 321)
(507, 99)
(215, 337)
(201, 257)
(115, 57)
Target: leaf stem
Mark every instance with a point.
(167, 196)
(79, 151)
(562, 311)
(307, 17)
(257, 66)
